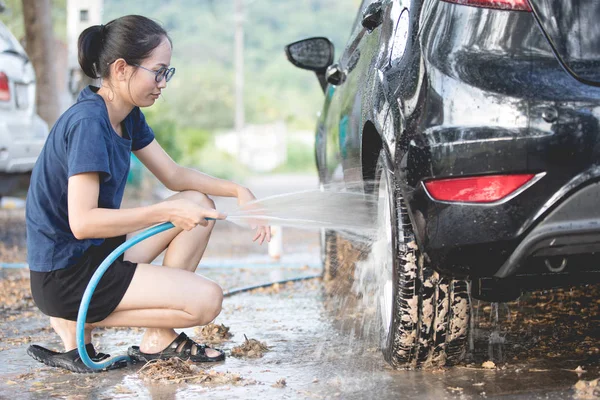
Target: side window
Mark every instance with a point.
(8, 41)
(5, 43)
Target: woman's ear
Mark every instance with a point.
(119, 69)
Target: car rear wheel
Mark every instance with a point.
(424, 316)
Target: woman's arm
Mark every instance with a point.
(88, 221)
(178, 178)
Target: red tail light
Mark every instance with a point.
(478, 189)
(515, 5)
(4, 89)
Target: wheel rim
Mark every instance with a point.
(385, 248)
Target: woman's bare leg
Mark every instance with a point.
(184, 251)
(166, 298)
(161, 299)
(158, 298)
(67, 331)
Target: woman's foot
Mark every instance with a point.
(181, 347)
(67, 330)
(157, 340)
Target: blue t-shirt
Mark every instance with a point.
(82, 140)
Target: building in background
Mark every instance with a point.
(81, 14)
(261, 148)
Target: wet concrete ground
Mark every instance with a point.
(323, 344)
(318, 344)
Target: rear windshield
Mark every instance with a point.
(8, 41)
(573, 28)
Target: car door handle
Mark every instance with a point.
(373, 16)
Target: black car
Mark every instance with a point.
(478, 121)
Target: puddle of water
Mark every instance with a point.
(317, 346)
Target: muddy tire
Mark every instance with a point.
(425, 317)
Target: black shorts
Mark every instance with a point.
(58, 293)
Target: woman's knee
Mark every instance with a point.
(198, 198)
(207, 305)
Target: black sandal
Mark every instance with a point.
(71, 360)
(184, 344)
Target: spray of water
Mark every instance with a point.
(351, 213)
(334, 210)
(370, 284)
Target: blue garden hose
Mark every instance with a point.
(89, 291)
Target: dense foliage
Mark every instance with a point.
(200, 98)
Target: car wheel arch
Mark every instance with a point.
(372, 143)
(371, 146)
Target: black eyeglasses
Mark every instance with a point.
(163, 72)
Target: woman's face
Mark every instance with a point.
(143, 90)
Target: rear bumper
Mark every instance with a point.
(21, 141)
(488, 113)
(572, 228)
(502, 242)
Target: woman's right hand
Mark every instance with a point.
(186, 214)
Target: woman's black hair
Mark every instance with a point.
(132, 37)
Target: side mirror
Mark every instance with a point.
(314, 54)
(373, 16)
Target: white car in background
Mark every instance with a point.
(22, 131)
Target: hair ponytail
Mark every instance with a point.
(132, 37)
(90, 49)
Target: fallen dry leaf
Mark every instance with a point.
(488, 365)
(15, 293)
(213, 333)
(122, 390)
(587, 389)
(280, 383)
(545, 324)
(12, 254)
(251, 348)
(175, 370)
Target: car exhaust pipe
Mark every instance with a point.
(560, 268)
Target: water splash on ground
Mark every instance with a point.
(360, 259)
(360, 254)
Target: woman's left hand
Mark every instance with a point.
(262, 231)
